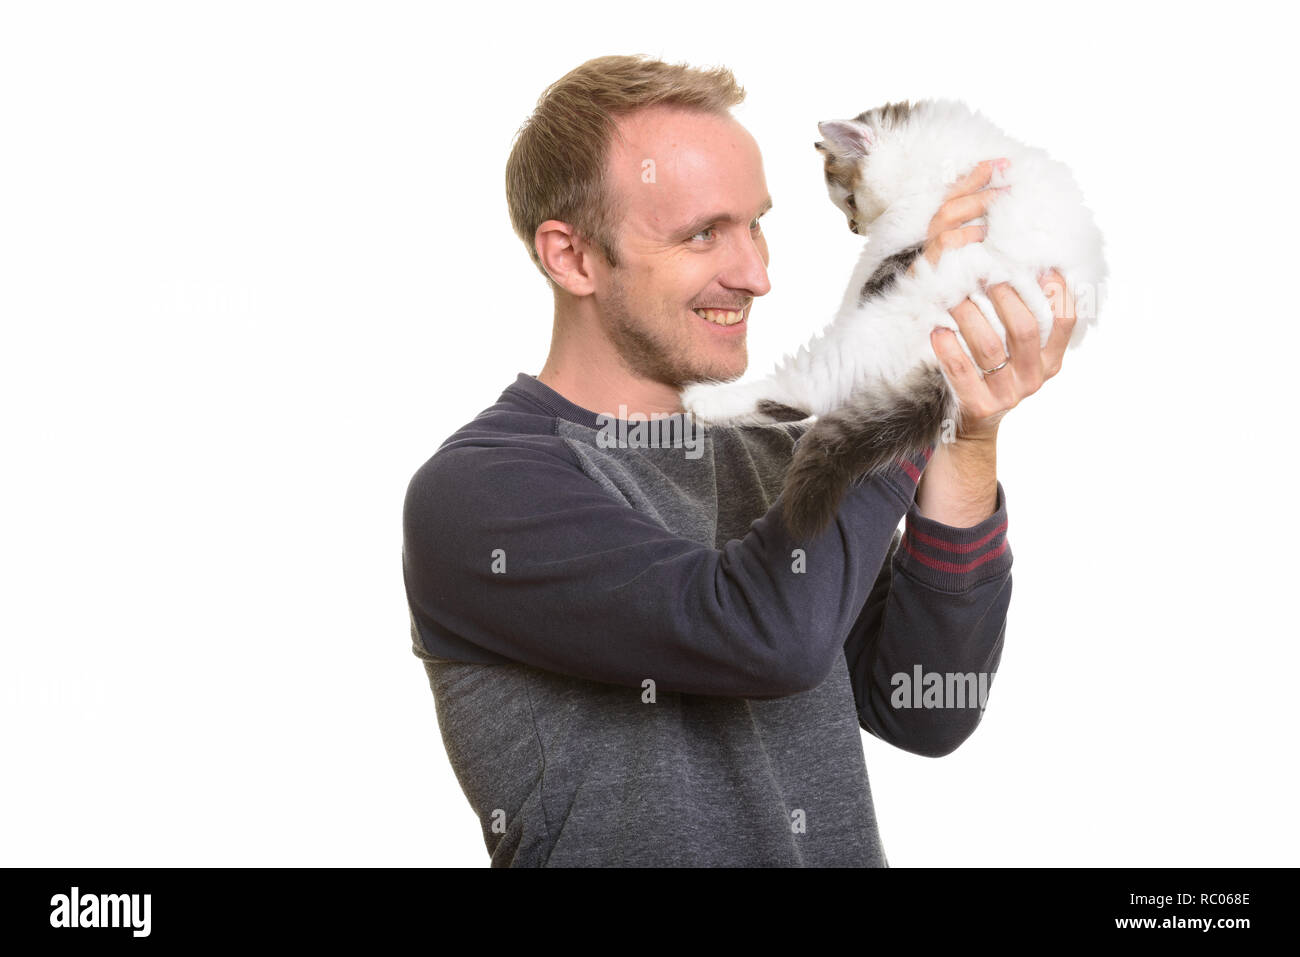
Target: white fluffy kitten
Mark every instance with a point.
(871, 377)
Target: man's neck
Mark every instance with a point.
(586, 368)
(602, 386)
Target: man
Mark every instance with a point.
(632, 661)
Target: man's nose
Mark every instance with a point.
(750, 269)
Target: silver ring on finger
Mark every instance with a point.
(1001, 365)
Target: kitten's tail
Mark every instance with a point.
(880, 424)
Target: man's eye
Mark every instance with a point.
(754, 226)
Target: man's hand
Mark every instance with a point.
(959, 485)
(987, 396)
(1003, 378)
(966, 199)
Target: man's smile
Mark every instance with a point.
(726, 318)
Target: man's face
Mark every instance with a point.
(692, 189)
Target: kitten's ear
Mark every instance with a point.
(848, 137)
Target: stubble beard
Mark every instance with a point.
(651, 352)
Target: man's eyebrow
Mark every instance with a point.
(701, 222)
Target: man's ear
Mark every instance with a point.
(565, 256)
(848, 137)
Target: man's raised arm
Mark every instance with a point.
(512, 548)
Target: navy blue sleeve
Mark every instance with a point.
(929, 637)
(513, 550)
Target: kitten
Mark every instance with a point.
(871, 377)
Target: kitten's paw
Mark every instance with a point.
(723, 404)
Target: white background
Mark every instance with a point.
(255, 265)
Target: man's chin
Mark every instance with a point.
(716, 365)
(714, 375)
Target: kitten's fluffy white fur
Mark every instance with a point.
(898, 163)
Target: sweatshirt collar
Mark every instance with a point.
(554, 403)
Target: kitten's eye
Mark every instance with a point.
(852, 203)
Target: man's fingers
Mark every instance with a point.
(967, 200)
(967, 381)
(1064, 309)
(1058, 294)
(1022, 335)
(987, 350)
(977, 178)
(985, 345)
(953, 239)
(962, 209)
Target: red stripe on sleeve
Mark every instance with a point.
(925, 539)
(953, 567)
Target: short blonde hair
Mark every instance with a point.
(556, 168)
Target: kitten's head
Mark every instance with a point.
(846, 149)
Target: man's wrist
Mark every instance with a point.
(983, 431)
(959, 486)
(955, 559)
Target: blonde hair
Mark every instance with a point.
(556, 168)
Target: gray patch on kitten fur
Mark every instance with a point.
(780, 412)
(879, 425)
(840, 170)
(888, 271)
(891, 114)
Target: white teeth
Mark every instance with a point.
(721, 317)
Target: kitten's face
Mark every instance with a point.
(846, 151)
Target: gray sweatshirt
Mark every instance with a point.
(632, 662)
